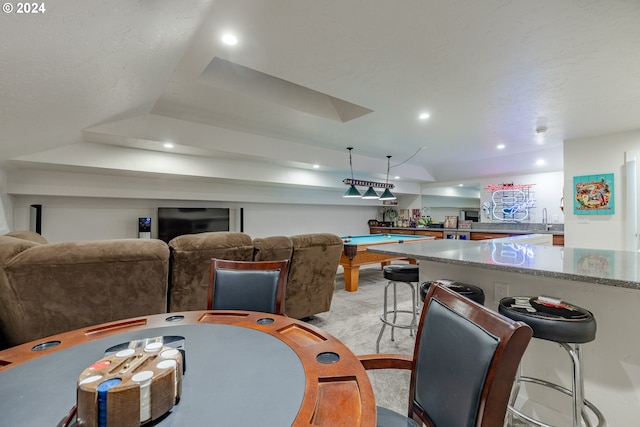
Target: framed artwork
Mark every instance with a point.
(593, 195)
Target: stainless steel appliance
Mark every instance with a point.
(470, 215)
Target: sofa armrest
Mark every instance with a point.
(312, 273)
(53, 288)
(30, 236)
(273, 248)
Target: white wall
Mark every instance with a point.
(546, 190)
(6, 210)
(439, 206)
(88, 218)
(600, 155)
(261, 220)
(81, 206)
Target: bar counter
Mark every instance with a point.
(601, 267)
(601, 281)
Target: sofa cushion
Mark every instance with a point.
(273, 248)
(190, 262)
(12, 246)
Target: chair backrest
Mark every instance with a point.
(248, 285)
(465, 360)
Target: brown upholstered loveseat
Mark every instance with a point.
(48, 288)
(312, 272)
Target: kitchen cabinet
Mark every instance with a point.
(380, 230)
(399, 231)
(436, 234)
(410, 231)
(485, 236)
(558, 239)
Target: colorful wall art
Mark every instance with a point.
(593, 195)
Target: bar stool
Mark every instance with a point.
(568, 325)
(474, 293)
(399, 273)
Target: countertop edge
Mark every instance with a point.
(533, 272)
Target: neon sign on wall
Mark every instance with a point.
(510, 202)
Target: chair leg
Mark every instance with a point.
(414, 303)
(515, 389)
(412, 326)
(578, 386)
(383, 317)
(580, 404)
(395, 309)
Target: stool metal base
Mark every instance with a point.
(384, 317)
(579, 402)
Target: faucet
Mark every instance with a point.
(545, 224)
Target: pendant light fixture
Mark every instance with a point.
(388, 195)
(352, 191)
(370, 194)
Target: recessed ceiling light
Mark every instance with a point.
(460, 185)
(396, 177)
(229, 39)
(424, 116)
(540, 162)
(500, 146)
(168, 145)
(316, 166)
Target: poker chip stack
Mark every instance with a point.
(130, 388)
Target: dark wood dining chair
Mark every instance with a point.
(248, 285)
(463, 366)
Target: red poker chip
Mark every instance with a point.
(100, 364)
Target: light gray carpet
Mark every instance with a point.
(355, 320)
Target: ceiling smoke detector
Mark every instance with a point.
(541, 129)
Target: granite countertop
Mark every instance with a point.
(556, 229)
(601, 267)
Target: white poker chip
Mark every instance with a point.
(125, 353)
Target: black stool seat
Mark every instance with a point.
(558, 322)
(474, 293)
(401, 272)
(568, 325)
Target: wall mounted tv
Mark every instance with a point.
(173, 222)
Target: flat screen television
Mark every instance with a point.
(173, 222)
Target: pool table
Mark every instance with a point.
(355, 254)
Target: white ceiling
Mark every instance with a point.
(139, 73)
